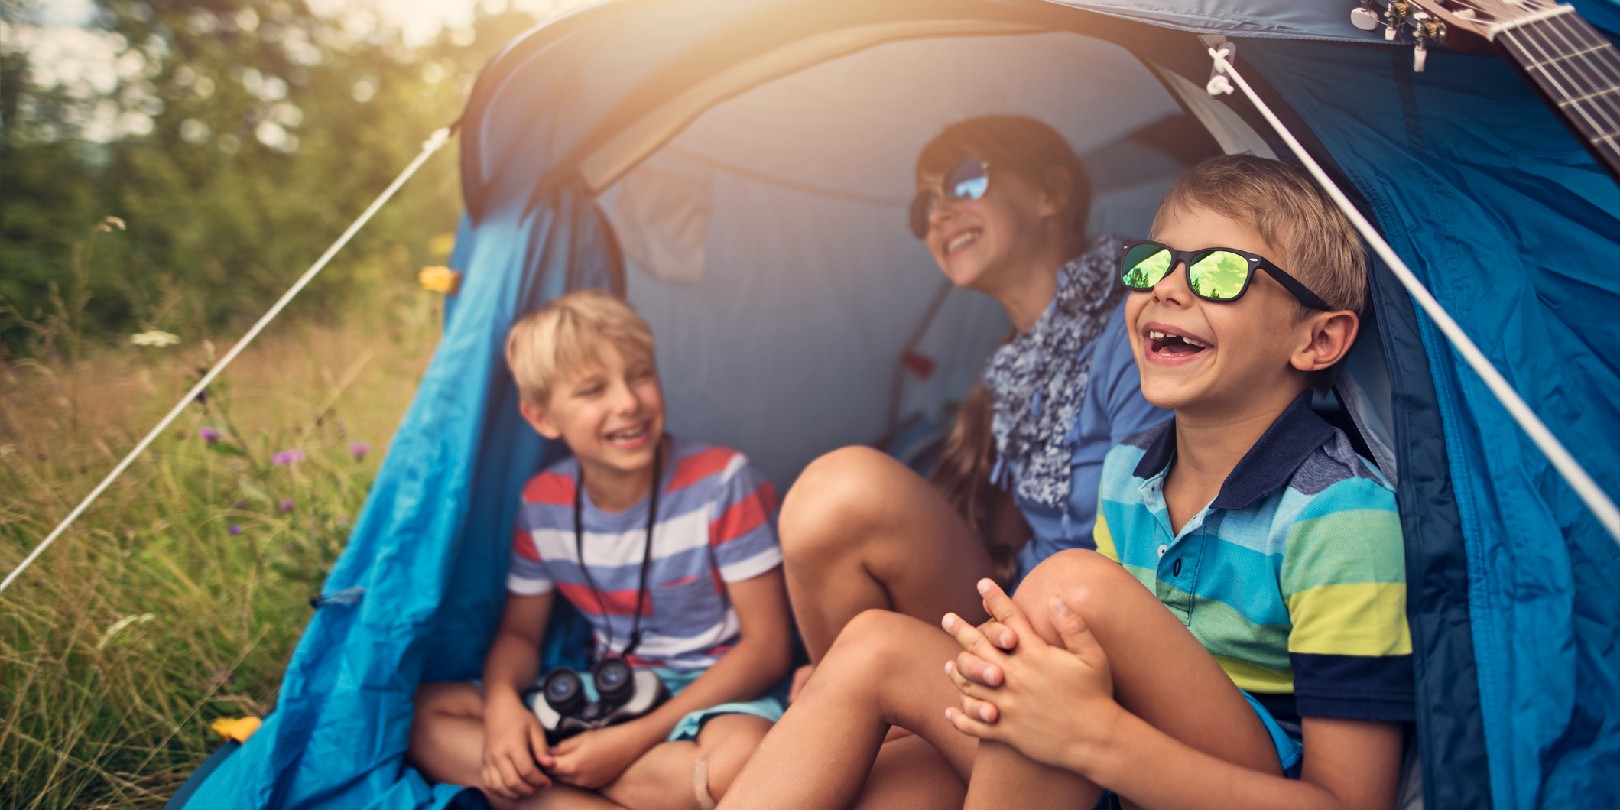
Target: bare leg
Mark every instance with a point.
(910, 774)
(1161, 674)
(447, 745)
(885, 669)
(860, 531)
(662, 778)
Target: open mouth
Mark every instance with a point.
(960, 241)
(628, 436)
(1169, 345)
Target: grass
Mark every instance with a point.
(177, 598)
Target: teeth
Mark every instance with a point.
(960, 241)
(634, 433)
(1154, 334)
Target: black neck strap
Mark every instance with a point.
(646, 552)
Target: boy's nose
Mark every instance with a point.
(1173, 287)
(625, 398)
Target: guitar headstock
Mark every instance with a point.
(1457, 24)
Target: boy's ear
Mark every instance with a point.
(536, 417)
(1331, 334)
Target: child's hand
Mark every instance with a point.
(1048, 700)
(514, 752)
(593, 759)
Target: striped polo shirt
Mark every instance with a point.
(714, 525)
(1294, 577)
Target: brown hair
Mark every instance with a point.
(566, 336)
(1017, 144)
(1290, 212)
(963, 477)
(1030, 150)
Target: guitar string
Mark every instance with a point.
(1593, 45)
(1564, 84)
(1606, 90)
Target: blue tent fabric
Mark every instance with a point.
(1500, 242)
(429, 547)
(1476, 184)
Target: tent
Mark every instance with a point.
(740, 168)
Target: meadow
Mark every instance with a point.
(177, 599)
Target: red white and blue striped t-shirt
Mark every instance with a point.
(715, 524)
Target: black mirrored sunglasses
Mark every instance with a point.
(1213, 274)
(970, 180)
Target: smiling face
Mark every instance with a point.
(994, 243)
(1206, 358)
(610, 413)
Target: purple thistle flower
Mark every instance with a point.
(285, 457)
(286, 505)
(235, 529)
(359, 450)
(240, 504)
(209, 435)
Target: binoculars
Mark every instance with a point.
(617, 692)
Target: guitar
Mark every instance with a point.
(1574, 66)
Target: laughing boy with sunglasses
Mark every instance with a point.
(1242, 625)
(1247, 599)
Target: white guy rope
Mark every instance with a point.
(434, 142)
(1595, 499)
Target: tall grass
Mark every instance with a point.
(176, 600)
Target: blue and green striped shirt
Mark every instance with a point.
(1294, 577)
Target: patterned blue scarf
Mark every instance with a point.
(1037, 380)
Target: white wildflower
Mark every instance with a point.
(155, 337)
(119, 626)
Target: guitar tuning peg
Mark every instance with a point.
(1364, 18)
(1390, 31)
(1420, 55)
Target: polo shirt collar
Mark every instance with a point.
(1268, 465)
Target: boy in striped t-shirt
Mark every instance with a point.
(665, 545)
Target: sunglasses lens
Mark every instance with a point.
(1144, 265)
(968, 181)
(1219, 275)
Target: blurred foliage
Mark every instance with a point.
(241, 138)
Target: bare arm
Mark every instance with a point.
(514, 744)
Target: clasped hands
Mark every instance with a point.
(1042, 699)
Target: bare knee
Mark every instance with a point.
(869, 647)
(726, 744)
(835, 494)
(1087, 581)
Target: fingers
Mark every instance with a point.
(1000, 635)
(969, 724)
(1072, 630)
(1000, 607)
(969, 637)
(542, 753)
(970, 670)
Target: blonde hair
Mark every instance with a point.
(566, 336)
(1018, 145)
(1287, 209)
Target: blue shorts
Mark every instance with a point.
(1290, 749)
(769, 707)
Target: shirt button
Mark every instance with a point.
(1163, 549)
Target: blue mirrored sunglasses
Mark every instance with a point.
(968, 181)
